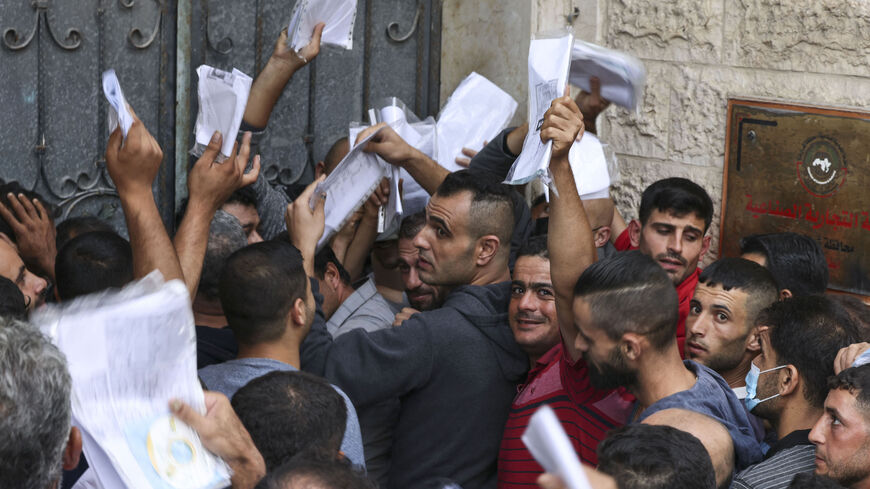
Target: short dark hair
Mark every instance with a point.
(326, 256)
(856, 380)
(12, 303)
(642, 456)
(288, 413)
(492, 207)
(411, 225)
(243, 196)
(92, 262)
(797, 262)
(535, 246)
(630, 292)
(258, 286)
(678, 196)
(306, 471)
(811, 480)
(75, 226)
(800, 322)
(747, 276)
(225, 236)
(857, 310)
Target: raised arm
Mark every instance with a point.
(395, 151)
(367, 231)
(133, 166)
(270, 83)
(570, 242)
(209, 185)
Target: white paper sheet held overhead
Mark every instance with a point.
(476, 112)
(548, 74)
(548, 443)
(118, 113)
(222, 100)
(129, 353)
(622, 76)
(589, 167)
(338, 15)
(348, 186)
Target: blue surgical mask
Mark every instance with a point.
(750, 401)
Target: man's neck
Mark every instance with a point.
(660, 375)
(208, 313)
(492, 275)
(736, 377)
(281, 350)
(796, 415)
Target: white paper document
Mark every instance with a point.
(549, 59)
(129, 352)
(118, 113)
(338, 15)
(223, 96)
(348, 186)
(476, 112)
(622, 76)
(589, 167)
(548, 443)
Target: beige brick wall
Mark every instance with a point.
(698, 54)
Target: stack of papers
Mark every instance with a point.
(548, 443)
(118, 113)
(338, 15)
(549, 59)
(476, 112)
(129, 353)
(622, 76)
(348, 186)
(222, 100)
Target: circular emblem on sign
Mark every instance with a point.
(822, 167)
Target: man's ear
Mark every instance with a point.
(298, 313)
(601, 236)
(785, 294)
(319, 169)
(789, 380)
(73, 450)
(631, 346)
(752, 343)
(634, 228)
(331, 276)
(705, 248)
(487, 249)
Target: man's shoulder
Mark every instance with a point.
(778, 470)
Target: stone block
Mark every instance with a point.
(671, 30)
(820, 36)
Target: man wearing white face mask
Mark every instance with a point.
(787, 382)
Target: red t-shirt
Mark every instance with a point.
(586, 414)
(685, 290)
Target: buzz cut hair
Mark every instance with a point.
(492, 208)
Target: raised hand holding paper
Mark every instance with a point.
(348, 186)
(476, 112)
(222, 100)
(549, 59)
(338, 15)
(548, 443)
(118, 114)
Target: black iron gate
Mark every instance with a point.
(53, 122)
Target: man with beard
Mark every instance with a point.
(624, 312)
(419, 295)
(674, 217)
(842, 434)
(788, 382)
(721, 334)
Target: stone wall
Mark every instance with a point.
(698, 54)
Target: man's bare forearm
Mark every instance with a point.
(191, 242)
(152, 248)
(426, 171)
(266, 90)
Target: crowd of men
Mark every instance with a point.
(417, 360)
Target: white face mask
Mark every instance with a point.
(750, 401)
